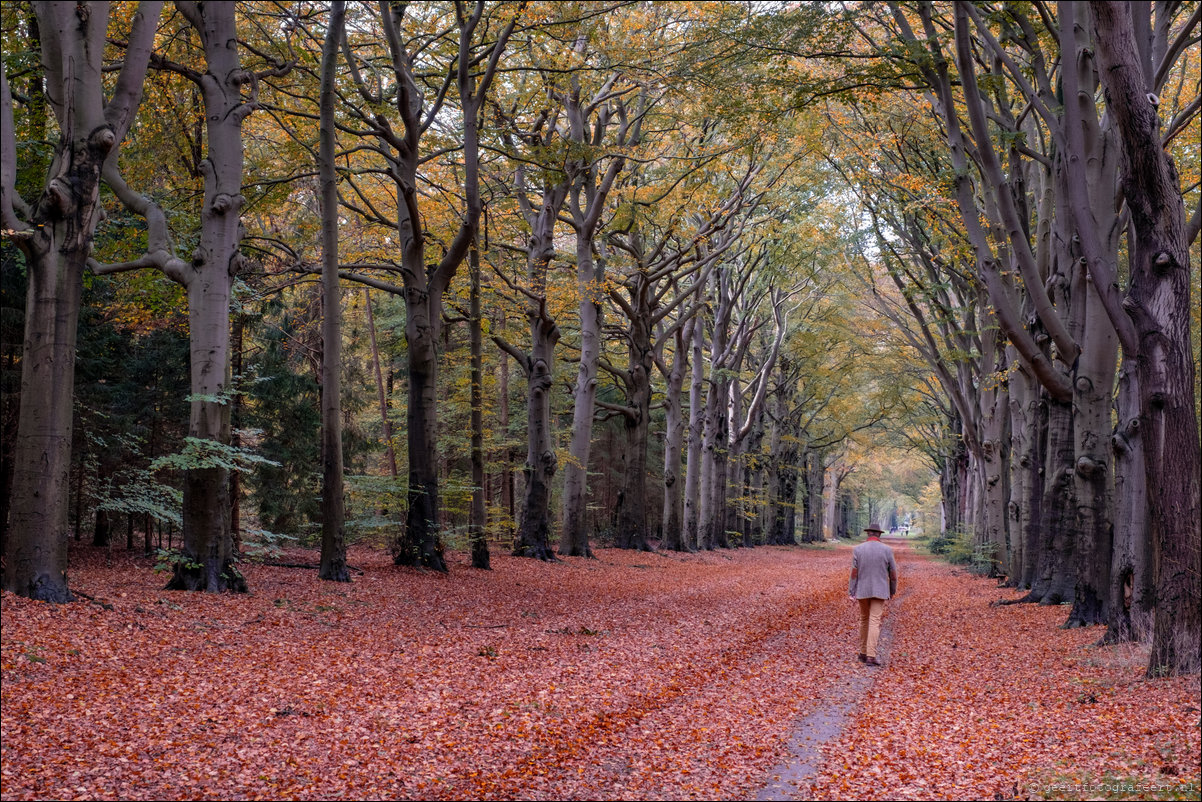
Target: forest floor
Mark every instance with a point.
(635, 675)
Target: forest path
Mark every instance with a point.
(631, 676)
(794, 777)
(981, 701)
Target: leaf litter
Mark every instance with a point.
(626, 677)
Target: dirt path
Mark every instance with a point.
(794, 777)
(980, 701)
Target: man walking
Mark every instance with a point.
(873, 580)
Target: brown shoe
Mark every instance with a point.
(872, 661)
(863, 657)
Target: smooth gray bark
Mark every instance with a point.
(674, 537)
(55, 236)
(209, 277)
(333, 513)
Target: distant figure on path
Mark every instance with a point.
(873, 580)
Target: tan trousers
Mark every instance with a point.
(870, 624)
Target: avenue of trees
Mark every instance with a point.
(659, 275)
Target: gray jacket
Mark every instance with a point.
(873, 571)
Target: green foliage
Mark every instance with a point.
(138, 492)
(223, 398)
(374, 507)
(130, 381)
(260, 544)
(199, 454)
(958, 548)
(282, 405)
(170, 559)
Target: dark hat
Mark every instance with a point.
(875, 527)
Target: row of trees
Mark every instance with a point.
(603, 165)
(683, 202)
(1028, 212)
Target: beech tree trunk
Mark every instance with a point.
(713, 490)
(534, 531)
(207, 554)
(574, 539)
(1158, 303)
(333, 513)
(992, 535)
(1026, 486)
(1056, 577)
(1093, 470)
(631, 532)
(692, 477)
(1133, 583)
(55, 235)
(35, 559)
(674, 537)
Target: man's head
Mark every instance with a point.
(874, 530)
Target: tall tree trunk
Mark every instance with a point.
(1027, 461)
(1056, 575)
(814, 469)
(1133, 584)
(333, 514)
(1024, 476)
(574, 540)
(784, 452)
(716, 425)
(692, 477)
(632, 530)
(1093, 394)
(1158, 302)
(713, 491)
(534, 531)
(477, 521)
(421, 543)
(1087, 168)
(56, 240)
(784, 498)
(207, 558)
(673, 516)
(994, 461)
(35, 559)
